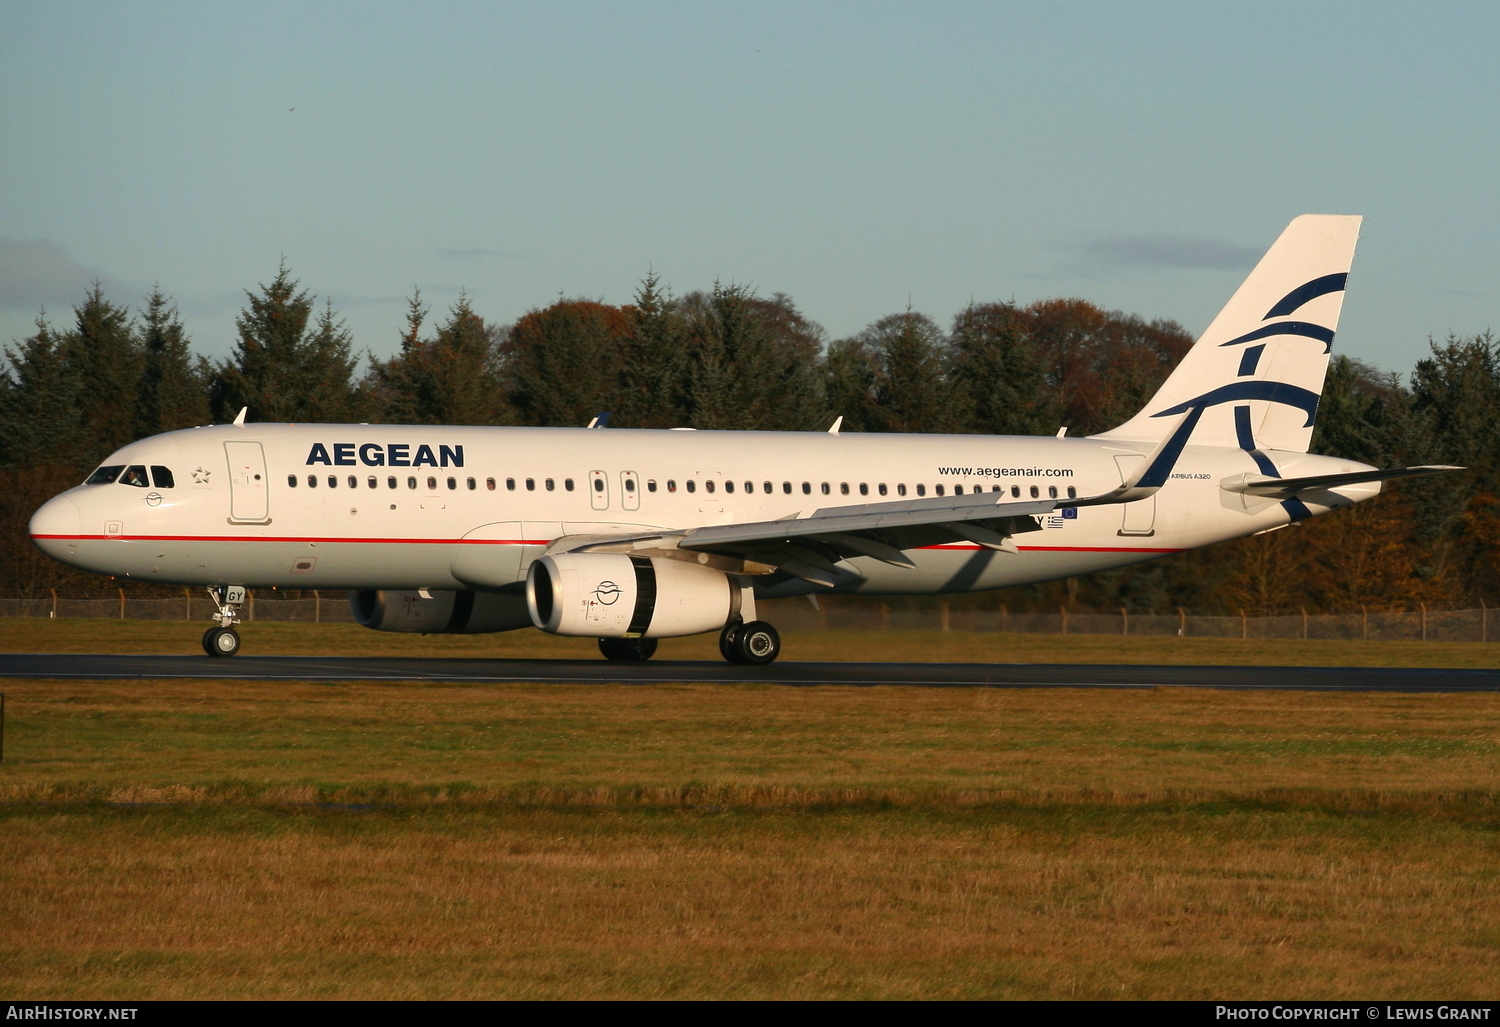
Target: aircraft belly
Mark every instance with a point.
(262, 564)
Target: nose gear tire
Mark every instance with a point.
(221, 641)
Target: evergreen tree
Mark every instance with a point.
(903, 360)
(172, 392)
(41, 420)
(652, 390)
(282, 368)
(752, 363)
(103, 353)
(1003, 376)
(450, 379)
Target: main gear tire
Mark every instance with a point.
(757, 643)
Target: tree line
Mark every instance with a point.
(729, 358)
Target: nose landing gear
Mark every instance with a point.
(222, 639)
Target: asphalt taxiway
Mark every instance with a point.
(601, 672)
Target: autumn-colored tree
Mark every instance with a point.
(562, 363)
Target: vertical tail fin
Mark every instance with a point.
(1257, 372)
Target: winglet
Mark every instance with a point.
(239, 420)
(600, 420)
(837, 423)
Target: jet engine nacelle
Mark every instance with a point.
(604, 595)
(460, 613)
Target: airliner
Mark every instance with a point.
(629, 536)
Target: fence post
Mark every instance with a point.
(122, 602)
(1304, 624)
(250, 604)
(1004, 619)
(947, 617)
(1484, 622)
(1424, 621)
(1244, 625)
(317, 607)
(885, 617)
(1181, 623)
(1364, 624)
(1064, 611)
(1124, 622)
(54, 602)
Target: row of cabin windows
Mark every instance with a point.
(391, 482)
(826, 488)
(135, 475)
(690, 484)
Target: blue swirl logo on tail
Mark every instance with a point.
(1271, 392)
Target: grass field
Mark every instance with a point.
(271, 638)
(232, 839)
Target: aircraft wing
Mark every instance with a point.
(810, 546)
(1285, 488)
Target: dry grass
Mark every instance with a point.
(231, 839)
(270, 638)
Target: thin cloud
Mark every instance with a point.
(473, 254)
(38, 273)
(1174, 251)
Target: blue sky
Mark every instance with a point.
(856, 156)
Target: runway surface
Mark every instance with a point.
(933, 675)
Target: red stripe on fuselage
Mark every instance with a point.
(519, 542)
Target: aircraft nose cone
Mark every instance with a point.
(55, 527)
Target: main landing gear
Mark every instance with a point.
(628, 650)
(222, 639)
(755, 643)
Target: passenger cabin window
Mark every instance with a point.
(105, 475)
(882, 488)
(692, 486)
(728, 486)
(312, 481)
(901, 489)
(531, 484)
(333, 481)
(411, 482)
(452, 484)
(807, 488)
(472, 484)
(353, 482)
(598, 484)
(958, 490)
(843, 488)
(1015, 492)
(390, 482)
(629, 484)
(650, 484)
(671, 485)
(1051, 491)
(921, 490)
(161, 477)
(551, 485)
(510, 484)
(431, 483)
(786, 487)
(769, 489)
(938, 489)
(291, 480)
(373, 482)
(1035, 492)
(135, 475)
(709, 485)
(750, 486)
(489, 483)
(1072, 492)
(826, 489)
(568, 484)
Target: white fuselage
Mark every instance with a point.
(350, 507)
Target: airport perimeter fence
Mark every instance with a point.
(796, 615)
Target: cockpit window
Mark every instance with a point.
(135, 475)
(105, 475)
(162, 477)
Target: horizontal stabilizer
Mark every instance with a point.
(1286, 488)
